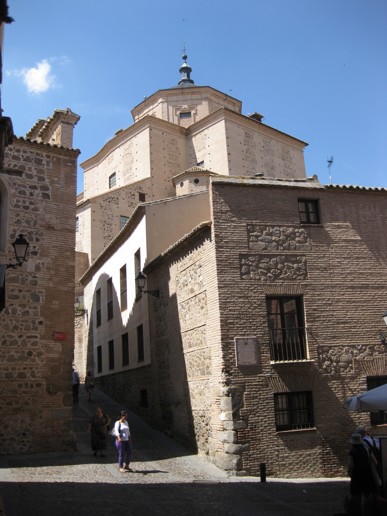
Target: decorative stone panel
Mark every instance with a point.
(190, 280)
(278, 238)
(268, 268)
(340, 359)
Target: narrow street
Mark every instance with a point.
(166, 480)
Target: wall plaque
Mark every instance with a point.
(246, 351)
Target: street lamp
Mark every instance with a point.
(20, 247)
(140, 284)
(79, 311)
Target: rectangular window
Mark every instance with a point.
(137, 269)
(293, 410)
(140, 343)
(111, 354)
(141, 197)
(109, 303)
(123, 221)
(309, 211)
(185, 114)
(99, 359)
(379, 417)
(143, 398)
(112, 180)
(77, 224)
(123, 289)
(98, 307)
(286, 328)
(125, 349)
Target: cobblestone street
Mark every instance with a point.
(166, 479)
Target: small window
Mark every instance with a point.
(98, 307)
(109, 303)
(196, 181)
(309, 211)
(123, 289)
(123, 221)
(111, 354)
(140, 343)
(185, 114)
(137, 269)
(125, 349)
(141, 197)
(99, 359)
(293, 410)
(112, 180)
(379, 417)
(77, 224)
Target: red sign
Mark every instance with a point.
(60, 335)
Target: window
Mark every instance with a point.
(98, 307)
(137, 269)
(140, 343)
(185, 114)
(109, 286)
(77, 224)
(111, 354)
(293, 410)
(286, 328)
(123, 289)
(143, 398)
(125, 349)
(99, 359)
(112, 180)
(141, 197)
(309, 211)
(379, 417)
(123, 221)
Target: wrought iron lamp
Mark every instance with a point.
(20, 247)
(79, 311)
(140, 284)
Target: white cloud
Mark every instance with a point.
(38, 79)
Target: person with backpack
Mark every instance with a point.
(123, 442)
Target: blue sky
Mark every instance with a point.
(316, 69)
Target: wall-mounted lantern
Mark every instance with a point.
(20, 247)
(140, 284)
(79, 310)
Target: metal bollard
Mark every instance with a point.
(262, 471)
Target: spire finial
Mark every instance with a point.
(185, 71)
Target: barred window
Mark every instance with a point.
(293, 410)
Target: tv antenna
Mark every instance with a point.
(330, 163)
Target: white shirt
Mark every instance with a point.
(122, 429)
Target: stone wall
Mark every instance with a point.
(37, 324)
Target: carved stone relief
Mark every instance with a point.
(277, 238)
(268, 268)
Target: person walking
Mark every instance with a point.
(75, 380)
(89, 385)
(363, 487)
(123, 442)
(98, 427)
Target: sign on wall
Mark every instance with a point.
(246, 351)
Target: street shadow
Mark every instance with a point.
(196, 499)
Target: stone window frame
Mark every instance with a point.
(309, 211)
(294, 410)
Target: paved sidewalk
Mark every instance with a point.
(167, 480)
